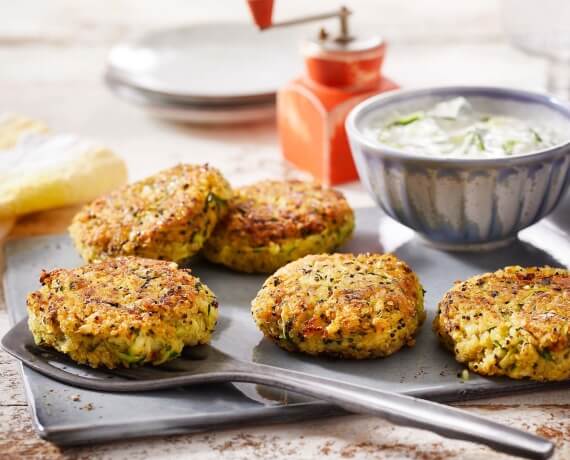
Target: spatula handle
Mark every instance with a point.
(404, 410)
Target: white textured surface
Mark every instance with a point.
(187, 60)
(51, 58)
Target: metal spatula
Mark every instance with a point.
(202, 365)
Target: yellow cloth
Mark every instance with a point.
(47, 171)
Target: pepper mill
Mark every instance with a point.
(340, 72)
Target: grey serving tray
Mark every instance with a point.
(68, 415)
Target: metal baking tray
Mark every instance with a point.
(66, 415)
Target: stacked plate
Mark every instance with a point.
(206, 73)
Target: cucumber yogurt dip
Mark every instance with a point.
(452, 128)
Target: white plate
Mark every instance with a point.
(193, 113)
(210, 62)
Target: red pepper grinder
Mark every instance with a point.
(340, 72)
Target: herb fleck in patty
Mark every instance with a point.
(271, 223)
(122, 312)
(513, 322)
(167, 216)
(342, 305)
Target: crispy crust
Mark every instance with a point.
(513, 322)
(271, 223)
(166, 216)
(341, 305)
(121, 312)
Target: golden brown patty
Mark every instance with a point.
(122, 312)
(272, 223)
(343, 305)
(166, 216)
(513, 322)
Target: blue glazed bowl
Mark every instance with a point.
(463, 203)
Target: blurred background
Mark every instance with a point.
(53, 55)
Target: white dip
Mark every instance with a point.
(452, 128)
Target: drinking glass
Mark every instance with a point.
(542, 28)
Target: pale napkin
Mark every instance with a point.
(40, 170)
(45, 171)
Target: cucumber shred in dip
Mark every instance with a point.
(453, 128)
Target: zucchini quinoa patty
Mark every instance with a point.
(271, 223)
(514, 322)
(122, 312)
(166, 216)
(341, 305)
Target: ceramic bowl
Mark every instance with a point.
(463, 203)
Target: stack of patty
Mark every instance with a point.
(127, 307)
(172, 215)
